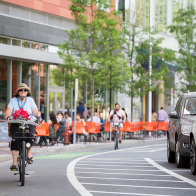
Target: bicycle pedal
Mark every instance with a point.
(16, 174)
(14, 169)
(27, 174)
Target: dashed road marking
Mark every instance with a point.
(126, 179)
(115, 165)
(189, 181)
(137, 186)
(117, 169)
(121, 174)
(120, 193)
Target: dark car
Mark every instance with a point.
(193, 147)
(179, 128)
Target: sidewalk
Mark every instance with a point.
(5, 153)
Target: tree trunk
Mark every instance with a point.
(131, 108)
(92, 99)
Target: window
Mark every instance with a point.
(4, 40)
(138, 12)
(44, 47)
(25, 44)
(16, 42)
(142, 12)
(165, 16)
(178, 106)
(190, 107)
(105, 8)
(157, 15)
(147, 13)
(161, 15)
(35, 46)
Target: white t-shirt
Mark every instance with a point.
(120, 113)
(95, 119)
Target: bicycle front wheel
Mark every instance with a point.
(23, 163)
(116, 140)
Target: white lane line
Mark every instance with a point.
(110, 159)
(136, 186)
(115, 169)
(158, 150)
(73, 180)
(170, 172)
(126, 179)
(120, 193)
(121, 174)
(71, 175)
(114, 165)
(126, 162)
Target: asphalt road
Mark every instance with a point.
(140, 169)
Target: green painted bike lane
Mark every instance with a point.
(64, 155)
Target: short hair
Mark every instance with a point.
(59, 113)
(66, 113)
(123, 109)
(79, 114)
(161, 108)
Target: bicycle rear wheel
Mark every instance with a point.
(23, 163)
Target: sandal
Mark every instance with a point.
(13, 168)
(30, 160)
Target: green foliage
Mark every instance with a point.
(184, 27)
(92, 52)
(138, 48)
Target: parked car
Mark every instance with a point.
(179, 129)
(193, 147)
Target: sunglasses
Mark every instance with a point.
(21, 90)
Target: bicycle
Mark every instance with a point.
(116, 137)
(25, 144)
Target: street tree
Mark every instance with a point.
(95, 46)
(184, 27)
(137, 52)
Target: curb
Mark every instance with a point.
(52, 150)
(4, 158)
(70, 148)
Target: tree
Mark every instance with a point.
(184, 27)
(137, 50)
(97, 41)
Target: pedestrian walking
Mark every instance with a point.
(154, 115)
(162, 115)
(80, 108)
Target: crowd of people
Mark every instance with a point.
(60, 121)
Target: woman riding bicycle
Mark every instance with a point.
(22, 100)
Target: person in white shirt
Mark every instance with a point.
(96, 119)
(67, 118)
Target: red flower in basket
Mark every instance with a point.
(21, 114)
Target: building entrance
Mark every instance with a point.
(56, 99)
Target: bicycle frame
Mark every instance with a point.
(23, 136)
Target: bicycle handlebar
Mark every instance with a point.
(23, 122)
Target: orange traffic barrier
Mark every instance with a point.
(79, 128)
(155, 123)
(126, 127)
(134, 126)
(148, 126)
(87, 126)
(140, 125)
(107, 126)
(43, 130)
(162, 126)
(98, 127)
